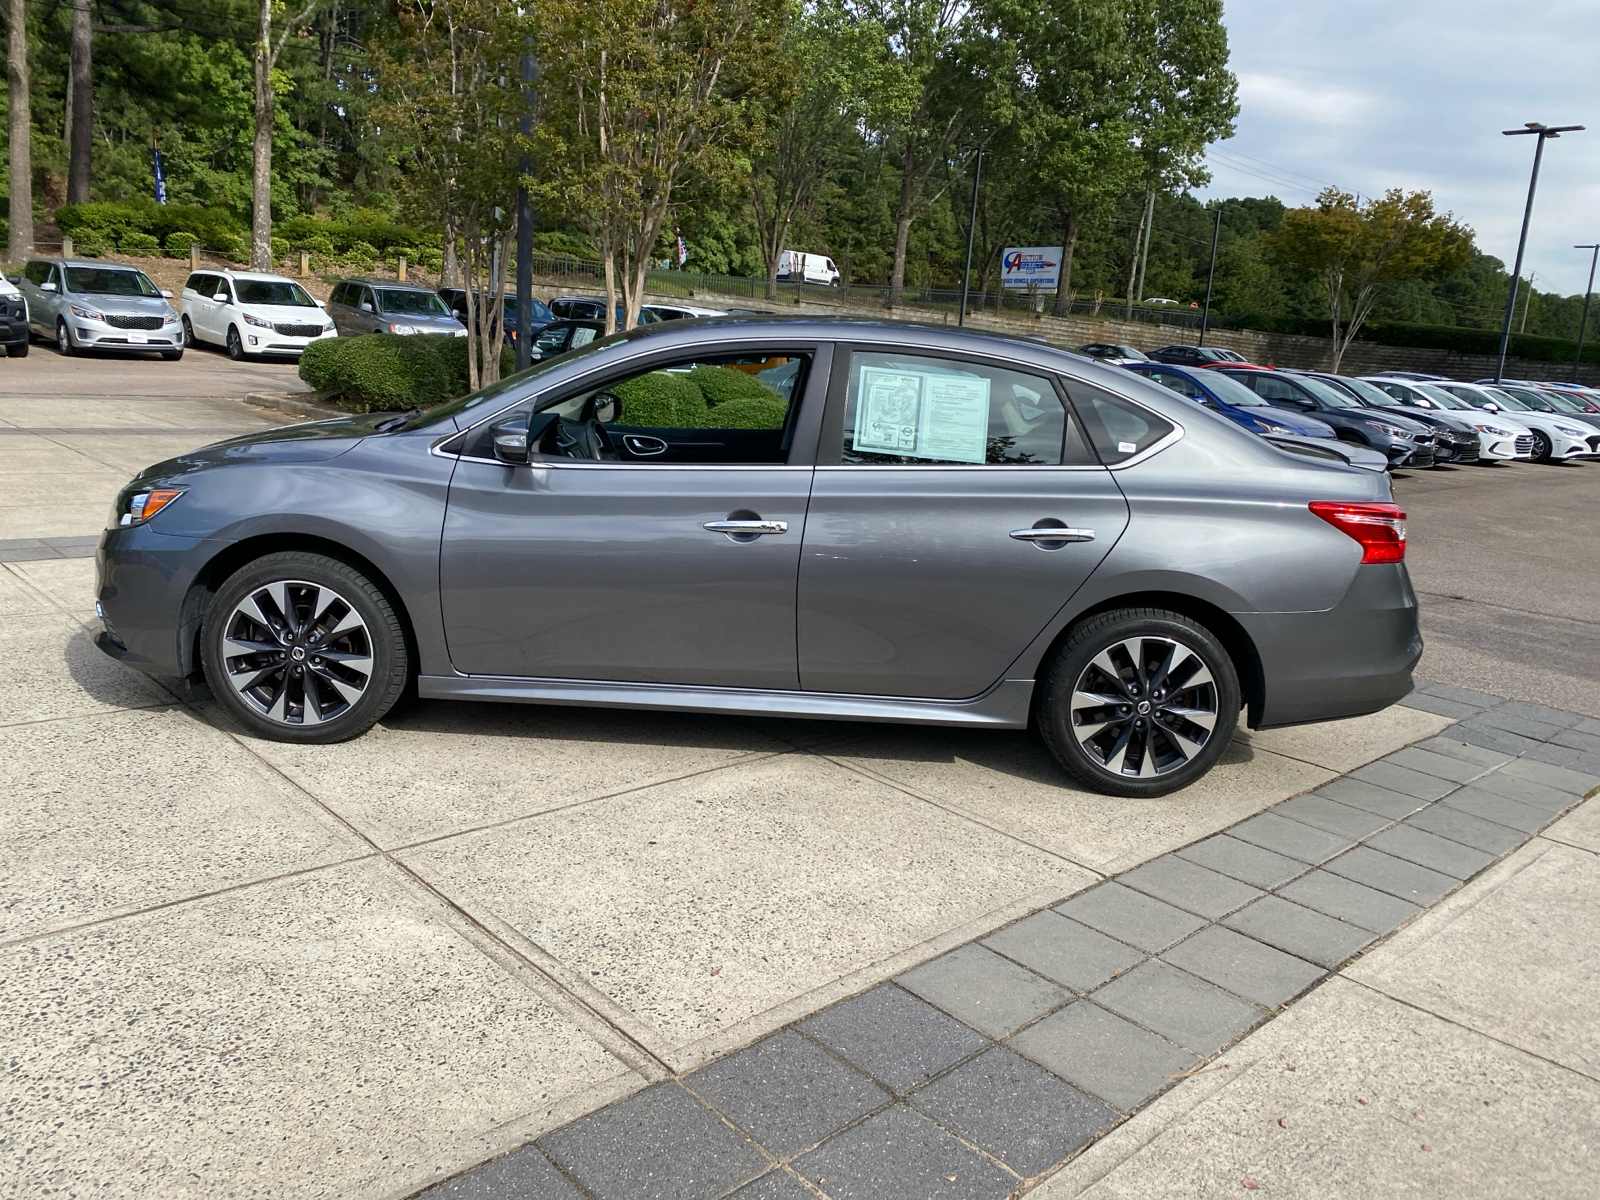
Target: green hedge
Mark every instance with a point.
(662, 400)
(1457, 338)
(721, 384)
(107, 224)
(381, 371)
(749, 412)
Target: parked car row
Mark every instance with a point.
(1404, 419)
(90, 305)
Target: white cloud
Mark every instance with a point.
(1373, 94)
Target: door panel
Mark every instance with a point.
(911, 585)
(607, 572)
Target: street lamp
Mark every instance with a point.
(972, 226)
(1583, 321)
(1205, 316)
(1540, 132)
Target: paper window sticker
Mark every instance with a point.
(955, 418)
(889, 411)
(1127, 447)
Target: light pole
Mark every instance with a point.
(1205, 315)
(1540, 133)
(1583, 321)
(530, 72)
(972, 228)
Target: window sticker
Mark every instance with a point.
(922, 414)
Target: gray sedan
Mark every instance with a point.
(823, 519)
(98, 306)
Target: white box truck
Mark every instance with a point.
(813, 268)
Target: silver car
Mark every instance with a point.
(862, 521)
(89, 305)
(363, 306)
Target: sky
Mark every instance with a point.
(1375, 94)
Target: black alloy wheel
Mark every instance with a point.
(1139, 702)
(1542, 449)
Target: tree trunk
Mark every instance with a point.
(261, 151)
(1133, 268)
(450, 271)
(1069, 244)
(897, 276)
(17, 77)
(81, 142)
(608, 258)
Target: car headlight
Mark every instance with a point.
(135, 506)
(1271, 428)
(87, 314)
(1393, 431)
(1570, 432)
(257, 322)
(402, 329)
(172, 318)
(1491, 430)
(327, 329)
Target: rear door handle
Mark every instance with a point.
(1053, 533)
(747, 528)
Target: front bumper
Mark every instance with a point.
(1348, 660)
(273, 341)
(91, 335)
(1456, 450)
(141, 580)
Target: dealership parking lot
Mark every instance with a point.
(257, 969)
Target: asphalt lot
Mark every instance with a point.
(202, 371)
(400, 956)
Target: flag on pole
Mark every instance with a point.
(155, 158)
(683, 249)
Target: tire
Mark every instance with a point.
(172, 355)
(1135, 754)
(235, 344)
(19, 350)
(1542, 450)
(64, 339)
(189, 342)
(362, 668)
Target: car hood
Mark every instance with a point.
(1298, 423)
(313, 441)
(291, 313)
(1431, 420)
(151, 306)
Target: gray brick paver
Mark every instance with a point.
(893, 1036)
(1130, 916)
(1445, 766)
(1431, 851)
(1197, 1015)
(899, 1154)
(1189, 885)
(1370, 796)
(1403, 779)
(1463, 827)
(1579, 783)
(976, 985)
(1291, 838)
(1300, 931)
(1500, 809)
(1386, 873)
(1244, 861)
(1345, 900)
(1330, 815)
(1063, 950)
(1244, 966)
(1102, 1053)
(1455, 748)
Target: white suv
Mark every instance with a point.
(251, 313)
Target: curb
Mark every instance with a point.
(294, 404)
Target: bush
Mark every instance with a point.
(722, 384)
(431, 261)
(749, 412)
(105, 224)
(140, 241)
(380, 371)
(361, 254)
(181, 241)
(662, 400)
(280, 249)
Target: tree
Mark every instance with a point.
(449, 105)
(80, 104)
(18, 83)
(1356, 250)
(642, 97)
(832, 57)
(266, 55)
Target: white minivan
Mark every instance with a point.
(814, 268)
(251, 313)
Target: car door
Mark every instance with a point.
(927, 567)
(203, 309)
(45, 303)
(673, 563)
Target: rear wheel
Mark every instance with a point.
(1139, 702)
(300, 647)
(17, 350)
(1542, 450)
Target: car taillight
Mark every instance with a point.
(1380, 528)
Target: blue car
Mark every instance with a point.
(1216, 391)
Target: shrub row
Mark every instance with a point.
(1457, 338)
(705, 398)
(380, 371)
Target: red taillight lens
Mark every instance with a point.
(1380, 528)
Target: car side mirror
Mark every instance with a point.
(14, 278)
(365, 307)
(604, 408)
(511, 441)
(48, 286)
(320, 303)
(1490, 406)
(221, 297)
(166, 293)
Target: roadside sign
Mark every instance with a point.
(1037, 266)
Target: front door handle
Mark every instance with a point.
(1041, 535)
(747, 528)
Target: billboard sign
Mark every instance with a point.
(1021, 266)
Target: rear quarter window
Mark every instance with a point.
(1118, 429)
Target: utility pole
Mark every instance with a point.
(1583, 321)
(530, 73)
(1527, 304)
(972, 228)
(1144, 255)
(1540, 133)
(1205, 315)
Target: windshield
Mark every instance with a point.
(1329, 394)
(1230, 390)
(1441, 397)
(509, 389)
(108, 281)
(411, 304)
(273, 291)
(1369, 393)
(1507, 400)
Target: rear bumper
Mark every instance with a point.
(1351, 659)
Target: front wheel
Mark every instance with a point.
(300, 647)
(64, 339)
(18, 350)
(235, 344)
(1139, 702)
(1542, 450)
(188, 334)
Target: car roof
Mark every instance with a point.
(90, 262)
(389, 283)
(247, 275)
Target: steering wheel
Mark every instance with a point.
(586, 436)
(599, 442)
